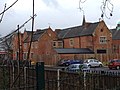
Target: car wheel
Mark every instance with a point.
(118, 67)
(100, 65)
(89, 66)
(110, 68)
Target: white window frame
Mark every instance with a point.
(54, 43)
(103, 39)
(36, 45)
(25, 55)
(32, 55)
(71, 41)
(25, 45)
(32, 45)
(60, 44)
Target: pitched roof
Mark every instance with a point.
(37, 34)
(28, 32)
(28, 35)
(115, 34)
(74, 51)
(76, 31)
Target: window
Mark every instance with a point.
(54, 44)
(71, 42)
(31, 55)
(32, 45)
(25, 56)
(103, 40)
(49, 34)
(36, 45)
(101, 30)
(25, 45)
(60, 44)
(17, 55)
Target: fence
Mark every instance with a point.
(29, 79)
(59, 80)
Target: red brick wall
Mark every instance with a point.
(76, 41)
(44, 51)
(16, 45)
(105, 32)
(116, 49)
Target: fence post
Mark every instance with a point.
(25, 76)
(40, 76)
(58, 78)
(84, 80)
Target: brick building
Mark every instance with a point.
(17, 46)
(78, 42)
(91, 36)
(41, 47)
(116, 41)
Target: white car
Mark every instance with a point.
(93, 63)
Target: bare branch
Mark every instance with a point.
(8, 7)
(107, 6)
(3, 13)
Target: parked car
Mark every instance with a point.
(77, 67)
(114, 64)
(69, 62)
(61, 62)
(93, 63)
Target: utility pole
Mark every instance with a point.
(32, 33)
(18, 54)
(33, 15)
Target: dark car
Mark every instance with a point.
(114, 64)
(69, 62)
(61, 62)
(64, 62)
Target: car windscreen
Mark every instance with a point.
(111, 61)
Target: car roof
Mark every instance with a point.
(78, 64)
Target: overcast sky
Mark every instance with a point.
(58, 14)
